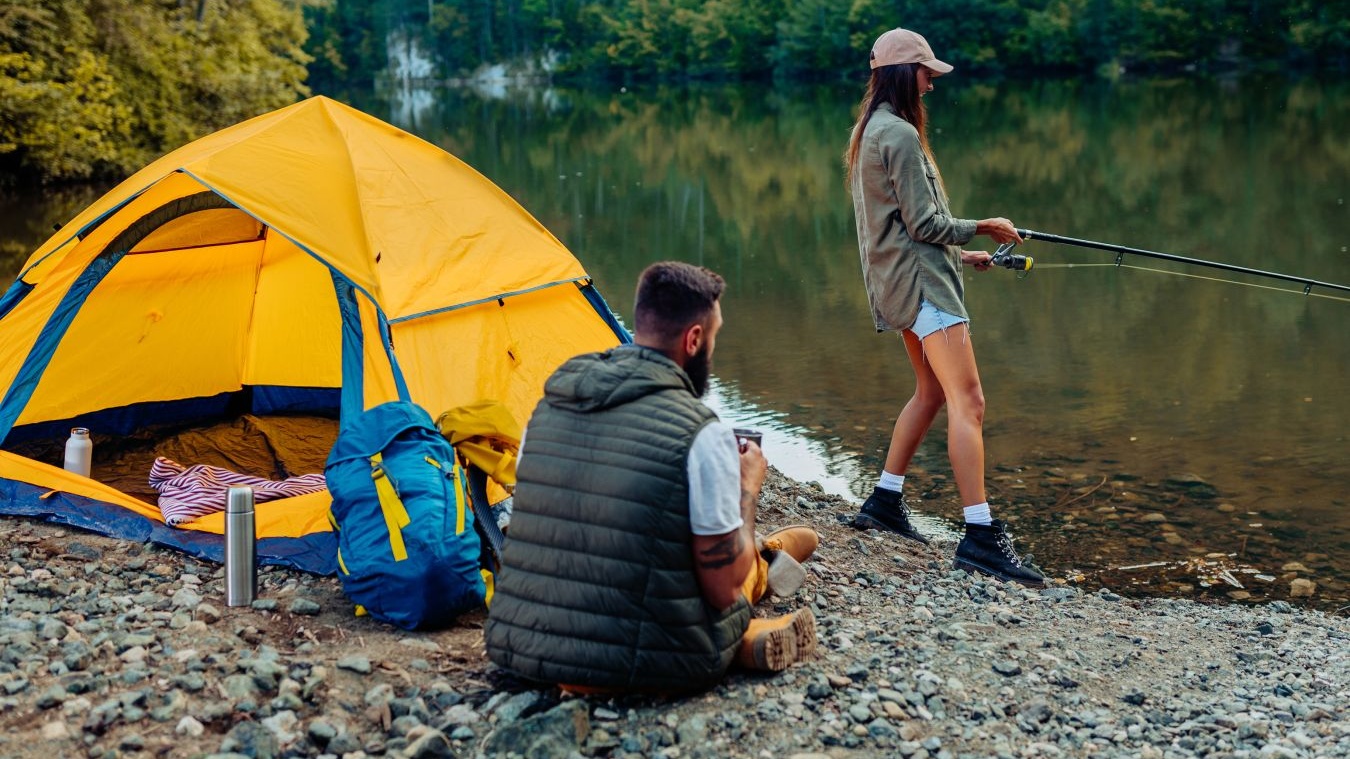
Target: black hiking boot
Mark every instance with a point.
(988, 549)
(886, 510)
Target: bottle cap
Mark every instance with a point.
(80, 431)
(240, 501)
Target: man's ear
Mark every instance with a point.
(692, 339)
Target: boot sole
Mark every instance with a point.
(865, 522)
(804, 627)
(778, 649)
(971, 566)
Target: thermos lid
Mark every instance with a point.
(240, 501)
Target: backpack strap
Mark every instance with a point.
(395, 514)
(482, 513)
(353, 350)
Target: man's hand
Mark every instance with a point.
(754, 468)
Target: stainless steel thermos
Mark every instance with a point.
(241, 577)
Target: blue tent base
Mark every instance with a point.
(315, 553)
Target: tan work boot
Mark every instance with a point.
(798, 541)
(785, 550)
(775, 644)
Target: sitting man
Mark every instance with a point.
(631, 562)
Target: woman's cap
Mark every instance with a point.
(904, 46)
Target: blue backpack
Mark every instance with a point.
(408, 553)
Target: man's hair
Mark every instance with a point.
(672, 296)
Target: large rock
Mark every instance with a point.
(564, 726)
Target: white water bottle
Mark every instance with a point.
(79, 452)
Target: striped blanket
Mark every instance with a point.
(186, 493)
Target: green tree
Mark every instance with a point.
(812, 41)
(347, 39)
(97, 88)
(733, 38)
(62, 117)
(1319, 30)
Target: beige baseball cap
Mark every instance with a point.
(904, 46)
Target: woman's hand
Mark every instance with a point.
(1000, 229)
(977, 258)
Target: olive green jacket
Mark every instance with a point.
(909, 242)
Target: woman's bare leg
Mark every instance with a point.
(918, 414)
(951, 358)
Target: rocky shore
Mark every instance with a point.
(109, 649)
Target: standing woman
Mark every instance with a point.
(910, 246)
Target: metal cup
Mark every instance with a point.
(744, 436)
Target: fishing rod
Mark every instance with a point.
(1008, 260)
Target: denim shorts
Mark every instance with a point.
(931, 319)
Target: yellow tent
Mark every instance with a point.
(245, 273)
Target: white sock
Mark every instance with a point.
(890, 481)
(978, 514)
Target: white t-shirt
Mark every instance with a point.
(714, 480)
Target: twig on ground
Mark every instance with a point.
(1081, 496)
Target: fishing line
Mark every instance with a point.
(1195, 276)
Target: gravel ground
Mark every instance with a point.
(109, 649)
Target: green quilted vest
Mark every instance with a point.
(597, 585)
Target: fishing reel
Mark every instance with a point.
(1003, 256)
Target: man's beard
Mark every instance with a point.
(698, 367)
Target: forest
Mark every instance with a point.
(97, 88)
(822, 39)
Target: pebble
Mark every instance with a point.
(1302, 588)
(357, 664)
(186, 598)
(304, 607)
(190, 727)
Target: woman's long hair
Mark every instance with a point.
(898, 85)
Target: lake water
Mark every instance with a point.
(1160, 430)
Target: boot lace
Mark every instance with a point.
(1005, 543)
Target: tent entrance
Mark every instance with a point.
(274, 447)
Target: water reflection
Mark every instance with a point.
(1104, 384)
(802, 455)
(787, 447)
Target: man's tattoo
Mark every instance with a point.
(723, 553)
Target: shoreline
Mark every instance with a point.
(111, 649)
